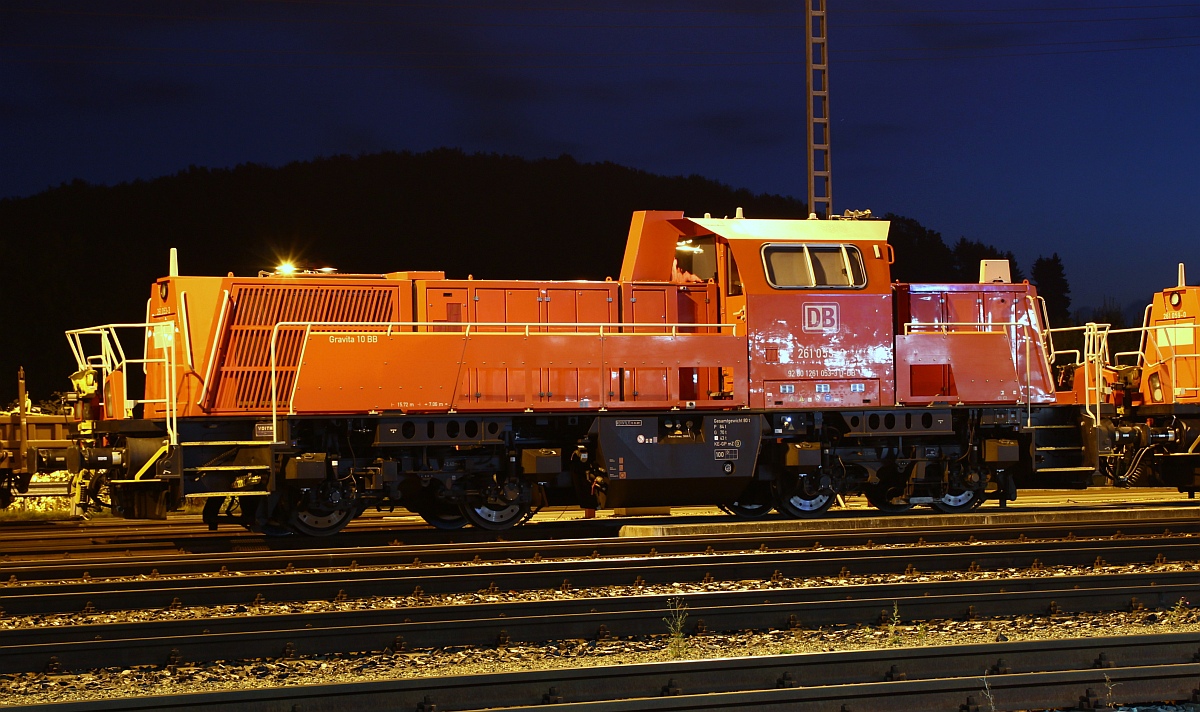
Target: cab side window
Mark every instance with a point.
(794, 266)
(695, 260)
(788, 267)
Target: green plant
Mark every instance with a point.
(1177, 613)
(677, 645)
(894, 625)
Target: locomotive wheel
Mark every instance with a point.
(319, 523)
(746, 511)
(754, 503)
(879, 498)
(437, 510)
(798, 501)
(486, 515)
(496, 506)
(963, 500)
(443, 516)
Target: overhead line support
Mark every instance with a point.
(820, 184)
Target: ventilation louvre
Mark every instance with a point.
(244, 373)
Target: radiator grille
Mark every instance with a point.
(244, 373)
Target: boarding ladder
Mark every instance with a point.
(1070, 447)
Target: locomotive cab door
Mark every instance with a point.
(732, 300)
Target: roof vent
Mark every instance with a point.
(738, 215)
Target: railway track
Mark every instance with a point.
(370, 573)
(583, 590)
(1079, 674)
(132, 563)
(81, 647)
(49, 540)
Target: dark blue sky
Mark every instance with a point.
(1038, 126)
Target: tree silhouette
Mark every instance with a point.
(966, 255)
(1051, 280)
(921, 254)
(81, 255)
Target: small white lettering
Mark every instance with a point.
(354, 338)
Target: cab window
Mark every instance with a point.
(814, 266)
(733, 278)
(695, 260)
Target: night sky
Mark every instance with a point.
(1036, 125)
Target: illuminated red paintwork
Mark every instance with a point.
(970, 343)
(706, 314)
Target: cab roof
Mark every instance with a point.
(788, 230)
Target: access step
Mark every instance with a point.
(226, 468)
(1065, 469)
(227, 443)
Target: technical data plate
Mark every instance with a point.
(648, 458)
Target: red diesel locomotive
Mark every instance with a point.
(753, 364)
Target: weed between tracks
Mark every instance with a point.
(677, 645)
(1178, 613)
(893, 625)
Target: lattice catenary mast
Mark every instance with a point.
(820, 184)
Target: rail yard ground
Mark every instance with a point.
(915, 586)
(53, 508)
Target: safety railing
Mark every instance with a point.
(1093, 357)
(989, 327)
(111, 358)
(1141, 349)
(466, 329)
(1157, 345)
(1047, 337)
(1166, 340)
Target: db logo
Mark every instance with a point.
(821, 318)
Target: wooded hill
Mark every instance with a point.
(80, 254)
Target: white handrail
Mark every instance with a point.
(940, 327)
(112, 359)
(216, 343)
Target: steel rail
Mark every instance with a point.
(272, 636)
(984, 539)
(46, 540)
(276, 586)
(1023, 675)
